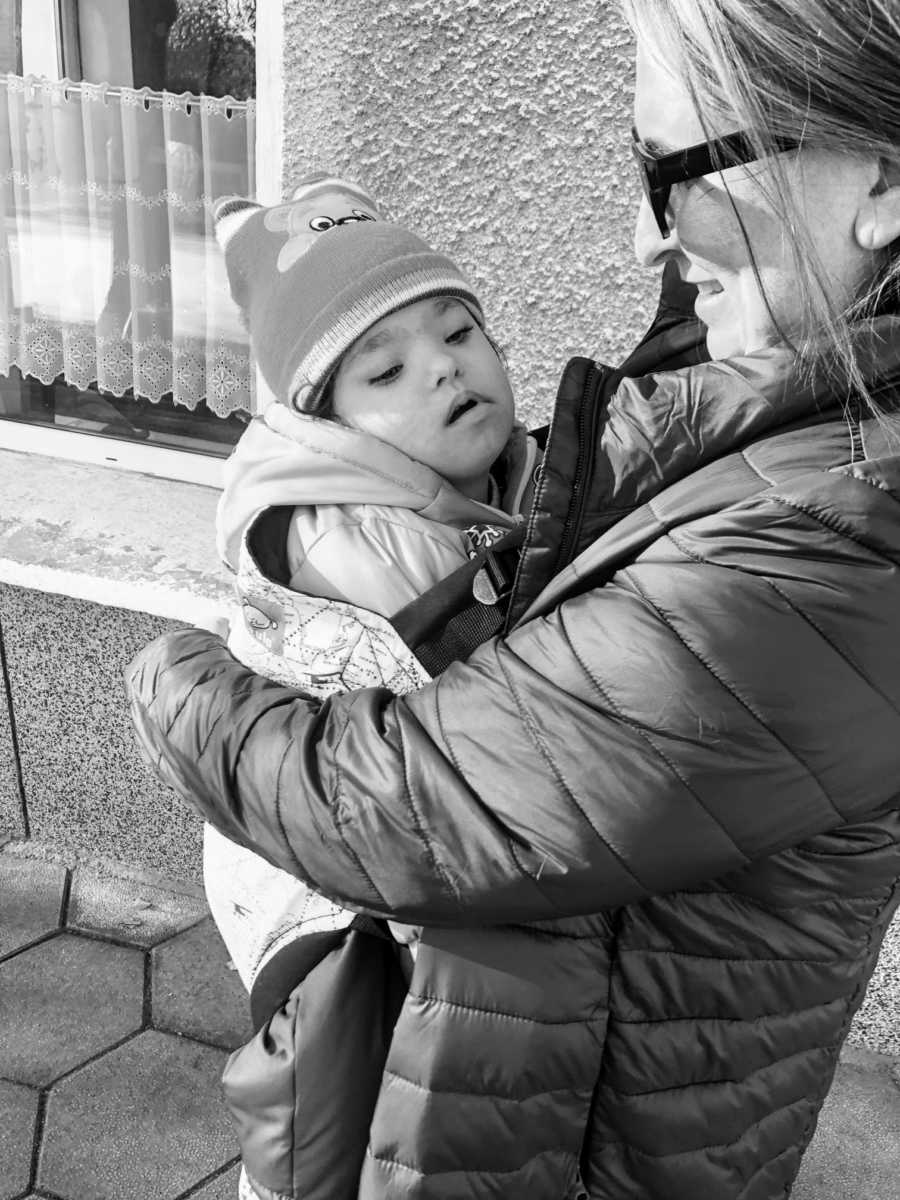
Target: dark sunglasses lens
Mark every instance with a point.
(659, 202)
(657, 197)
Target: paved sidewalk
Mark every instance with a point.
(117, 1012)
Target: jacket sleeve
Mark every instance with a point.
(717, 700)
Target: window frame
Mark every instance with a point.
(189, 466)
(68, 40)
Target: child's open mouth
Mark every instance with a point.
(463, 405)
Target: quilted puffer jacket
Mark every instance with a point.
(692, 724)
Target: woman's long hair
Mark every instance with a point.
(821, 71)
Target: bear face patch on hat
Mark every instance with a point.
(316, 206)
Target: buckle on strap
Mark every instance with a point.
(491, 583)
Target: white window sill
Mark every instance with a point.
(110, 536)
(109, 452)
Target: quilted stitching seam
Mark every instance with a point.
(755, 469)
(540, 742)
(505, 1098)
(829, 521)
(804, 616)
(727, 687)
(643, 732)
(338, 803)
(278, 816)
(599, 1013)
(647, 1155)
(459, 1172)
(819, 1051)
(447, 883)
(752, 960)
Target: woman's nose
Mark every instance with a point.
(650, 247)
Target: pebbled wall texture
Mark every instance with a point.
(499, 130)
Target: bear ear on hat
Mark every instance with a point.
(230, 215)
(327, 181)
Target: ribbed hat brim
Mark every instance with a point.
(386, 289)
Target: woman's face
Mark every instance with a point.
(706, 238)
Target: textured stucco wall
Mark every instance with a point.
(499, 130)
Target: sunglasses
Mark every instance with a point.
(660, 171)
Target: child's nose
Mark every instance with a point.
(444, 367)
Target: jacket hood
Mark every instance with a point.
(288, 458)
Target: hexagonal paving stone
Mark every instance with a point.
(145, 1121)
(31, 896)
(69, 998)
(136, 910)
(18, 1111)
(196, 993)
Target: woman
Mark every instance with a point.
(693, 721)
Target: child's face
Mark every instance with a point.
(427, 380)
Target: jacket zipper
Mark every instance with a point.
(587, 424)
(594, 379)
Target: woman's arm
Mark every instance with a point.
(721, 698)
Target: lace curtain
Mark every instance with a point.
(109, 271)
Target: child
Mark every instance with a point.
(394, 440)
(390, 455)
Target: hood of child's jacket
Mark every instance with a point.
(287, 458)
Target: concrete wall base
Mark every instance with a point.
(80, 783)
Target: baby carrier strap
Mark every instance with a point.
(463, 610)
(267, 540)
(448, 621)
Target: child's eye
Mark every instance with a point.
(388, 375)
(458, 335)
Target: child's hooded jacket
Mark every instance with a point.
(372, 527)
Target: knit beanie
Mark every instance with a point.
(312, 275)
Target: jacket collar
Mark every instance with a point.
(617, 442)
(287, 458)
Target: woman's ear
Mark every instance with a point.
(878, 221)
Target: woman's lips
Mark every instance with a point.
(707, 287)
(708, 297)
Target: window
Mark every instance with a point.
(125, 120)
